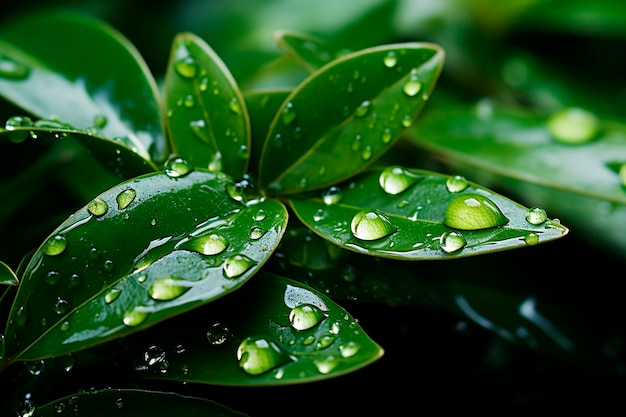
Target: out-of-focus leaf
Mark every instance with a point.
(272, 331)
(131, 402)
(83, 72)
(518, 145)
(309, 51)
(7, 276)
(346, 114)
(207, 118)
(141, 252)
(415, 214)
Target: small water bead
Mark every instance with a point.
(456, 183)
(531, 239)
(363, 108)
(243, 152)
(12, 69)
(326, 365)
(387, 135)
(390, 60)
(216, 162)
(98, 207)
(218, 334)
(394, 180)
(125, 197)
(234, 105)
(257, 355)
(52, 277)
(366, 154)
(260, 215)
(75, 280)
(210, 244)
(332, 195)
(371, 225)
(407, 120)
(16, 122)
(473, 212)
(65, 326)
(573, 126)
(100, 121)
(168, 288)
(237, 265)
(412, 86)
(347, 350)
(21, 316)
(324, 342)
(112, 295)
(186, 67)
(319, 215)
(198, 127)
(177, 167)
(256, 233)
(536, 215)
(452, 241)
(35, 367)
(60, 306)
(154, 355)
(288, 115)
(305, 316)
(55, 245)
(235, 191)
(135, 317)
(26, 408)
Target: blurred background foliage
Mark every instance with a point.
(534, 56)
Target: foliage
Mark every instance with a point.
(207, 224)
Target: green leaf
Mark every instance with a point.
(519, 145)
(132, 402)
(273, 331)
(415, 214)
(346, 114)
(309, 51)
(117, 155)
(87, 75)
(7, 276)
(143, 251)
(207, 117)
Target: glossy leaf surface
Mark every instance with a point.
(141, 252)
(310, 52)
(346, 114)
(206, 115)
(87, 75)
(415, 214)
(272, 331)
(7, 276)
(519, 145)
(132, 402)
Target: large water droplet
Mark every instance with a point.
(473, 212)
(60, 306)
(326, 365)
(412, 86)
(395, 180)
(55, 245)
(324, 342)
(349, 349)
(35, 367)
(456, 183)
(210, 244)
(186, 67)
(305, 316)
(218, 334)
(98, 207)
(168, 288)
(531, 239)
(573, 126)
(390, 60)
(258, 355)
(371, 225)
(536, 215)
(256, 233)
(177, 167)
(332, 195)
(237, 265)
(125, 197)
(15, 122)
(112, 295)
(451, 241)
(12, 69)
(135, 317)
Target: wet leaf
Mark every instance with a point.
(7, 276)
(273, 331)
(345, 115)
(415, 214)
(309, 51)
(207, 116)
(87, 75)
(141, 252)
(132, 402)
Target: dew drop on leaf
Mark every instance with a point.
(98, 207)
(15, 122)
(452, 241)
(12, 69)
(390, 60)
(326, 365)
(125, 197)
(332, 195)
(189, 101)
(407, 120)
(198, 127)
(288, 114)
(394, 180)
(55, 245)
(456, 183)
(412, 86)
(216, 162)
(536, 215)
(256, 233)
(386, 135)
(52, 277)
(210, 244)
(60, 306)
(371, 225)
(573, 126)
(186, 67)
(305, 316)
(473, 212)
(100, 121)
(258, 355)
(349, 349)
(218, 334)
(177, 167)
(237, 265)
(135, 317)
(531, 239)
(260, 215)
(112, 295)
(362, 109)
(324, 342)
(234, 105)
(168, 288)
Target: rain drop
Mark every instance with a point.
(456, 183)
(349, 349)
(362, 109)
(237, 265)
(98, 207)
(168, 288)
(451, 241)
(332, 195)
(112, 295)
(371, 225)
(394, 180)
(573, 126)
(198, 128)
(15, 122)
(288, 115)
(326, 365)
(135, 317)
(186, 67)
(60, 306)
(55, 245)
(536, 215)
(324, 342)
(234, 105)
(100, 121)
(211, 244)
(258, 355)
(386, 135)
(125, 197)
(305, 316)
(531, 239)
(473, 212)
(366, 154)
(216, 162)
(260, 215)
(218, 334)
(177, 167)
(407, 120)
(35, 367)
(26, 408)
(412, 86)
(256, 233)
(390, 60)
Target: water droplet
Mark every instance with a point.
(395, 180)
(26, 408)
(74, 280)
(258, 355)
(260, 215)
(189, 101)
(235, 191)
(35, 367)
(186, 67)
(288, 115)
(15, 122)
(473, 212)
(98, 207)
(349, 349)
(326, 365)
(256, 233)
(135, 317)
(536, 215)
(362, 109)
(573, 126)
(324, 342)
(66, 362)
(305, 316)
(20, 316)
(218, 334)
(407, 120)
(12, 69)
(125, 197)
(319, 215)
(390, 60)
(332, 195)
(210, 244)
(387, 135)
(412, 86)
(154, 355)
(366, 154)
(112, 295)
(237, 265)
(198, 129)
(65, 326)
(243, 152)
(531, 239)
(177, 167)
(55, 245)
(168, 288)
(216, 162)
(234, 105)
(371, 225)
(60, 306)
(451, 241)
(456, 183)
(100, 121)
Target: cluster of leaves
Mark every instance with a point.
(209, 188)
